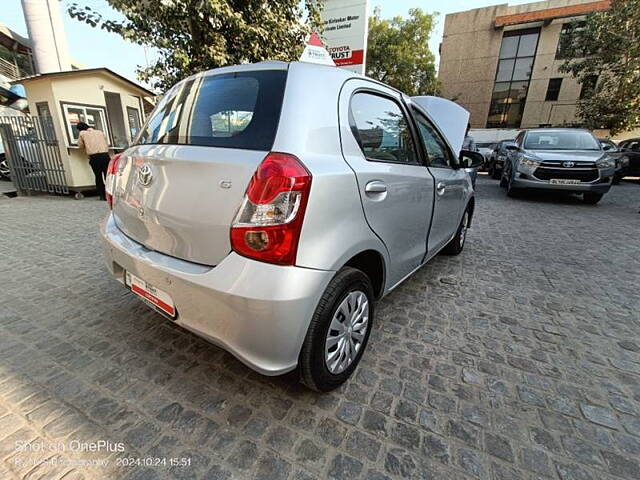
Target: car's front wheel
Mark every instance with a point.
(339, 331)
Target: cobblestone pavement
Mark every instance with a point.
(519, 359)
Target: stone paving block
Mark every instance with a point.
(518, 359)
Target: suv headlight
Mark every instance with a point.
(528, 162)
(606, 162)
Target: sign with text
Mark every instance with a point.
(345, 32)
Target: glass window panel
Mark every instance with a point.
(382, 129)
(74, 116)
(500, 92)
(527, 47)
(509, 47)
(94, 119)
(235, 110)
(433, 143)
(514, 114)
(505, 70)
(497, 108)
(518, 91)
(522, 69)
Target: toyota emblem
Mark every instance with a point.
(145, 175)
(568, 164)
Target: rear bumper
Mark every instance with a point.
(258, 312)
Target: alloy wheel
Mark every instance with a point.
(347, 332)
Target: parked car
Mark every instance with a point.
(621, 159)
(266, 207)
(565, 159)
(485, 149)
(631, 149)
(496, 158)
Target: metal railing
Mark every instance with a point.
(9, 70)
(33, 155)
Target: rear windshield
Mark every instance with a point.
(232, 110)
(561, 140)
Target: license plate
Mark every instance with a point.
(563, 181)
(156, 297)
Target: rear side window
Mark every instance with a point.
(381, 129)
(232, 110)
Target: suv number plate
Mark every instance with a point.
(563, 181)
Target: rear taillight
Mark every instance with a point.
(110, 180)
(268, 224)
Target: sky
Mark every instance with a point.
(97, 48)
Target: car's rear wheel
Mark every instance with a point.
(592, 198)
(339, 331)
(455, 246)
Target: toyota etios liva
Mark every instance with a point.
(266, 207)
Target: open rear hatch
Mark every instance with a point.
(178, 190)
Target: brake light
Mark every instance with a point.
(110, 180)
(268, 224)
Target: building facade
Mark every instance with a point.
(502, 63)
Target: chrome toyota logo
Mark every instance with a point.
(568, 164)
(145, 175)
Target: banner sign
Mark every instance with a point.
(345, 32)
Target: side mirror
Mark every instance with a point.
(607, 147)
(512, 147)
(469, 159)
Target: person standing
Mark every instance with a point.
(96, 146)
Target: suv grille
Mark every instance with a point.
(583, 171)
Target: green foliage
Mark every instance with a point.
(398, 52)
(611, 40)
(195, 35)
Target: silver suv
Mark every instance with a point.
(266, 207)
(567, 159)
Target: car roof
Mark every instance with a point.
(278, 65)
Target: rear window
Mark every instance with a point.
(231, 110)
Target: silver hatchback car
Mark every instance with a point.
(266, 207)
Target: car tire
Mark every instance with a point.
(511, 190)
(455, 246)
(346, 291)
(504, 182)
(616, 179)
(496, 174)
(592, 198)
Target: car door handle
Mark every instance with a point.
(441, 188)
(375, 186)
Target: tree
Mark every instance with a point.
(195, 35)
(603, 53)
(398, 52)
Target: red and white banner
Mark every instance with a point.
(345, 32)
